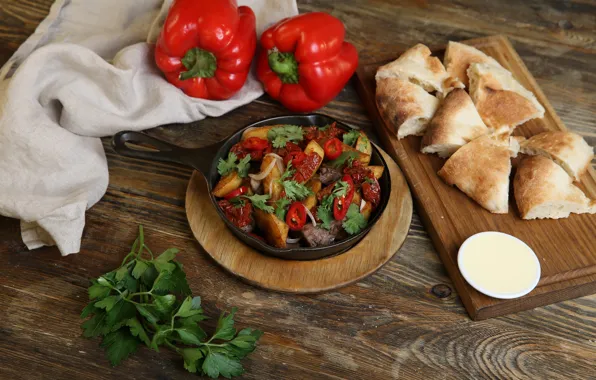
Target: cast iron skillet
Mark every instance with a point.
(139, 145)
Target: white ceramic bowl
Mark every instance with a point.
(530, 257)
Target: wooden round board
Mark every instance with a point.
(315, 276)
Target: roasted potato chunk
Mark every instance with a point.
(274, 230)
(366, 210)
(260, 132)
(311, 201)
(362, 157)
(377, 171)
(364, 145)
(357, 197)
(314, 147)
(271, 179)
(227, 183)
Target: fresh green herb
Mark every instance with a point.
(287, 173)
(243, 166)
(281, 208)
(370, 180)
(295, 191)
(351, 137)
(346, 157)
(260, 201)
(225, 167)
(324, 128)
(279, 136)
(354, 221)
(238, 202)
(340, 189)
(148, 301)
(324, 212)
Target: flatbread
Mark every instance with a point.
(455, 123)
(417, 66)
(459, 57)
(543, 189)
(406, 107)
(501, 101)
(481, 169)
(567, 149)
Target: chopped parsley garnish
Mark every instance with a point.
(225, 167)
(281, 208)
(351, 137)
(346, 157)
(341, 189)
(324, 212)
(295, 191)
(260, 202)
(279, 136)
(354, 221)
(324, 128)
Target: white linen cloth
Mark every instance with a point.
(65, 94)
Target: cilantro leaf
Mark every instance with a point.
(139, 269)
(147, 313)
(351, 137)
(325, 127)
(162, 262)
(217, 364)
(259, 201)
(354, 221)
(281, 208)
(225, 326)
(295, 191)
(191, 357)
(191, 334)
(287, 173)
(98, 290)
(118, 345)
(325, 215)
(341, 189)
(122, 310)
(279, 136)
(226, 166)
(344, 157)
(107, 303)
(243, 166)
(190, 307)
(96, 325)
(173, 282)
(136, 329)
(164, 304)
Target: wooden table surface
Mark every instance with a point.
(405, 321)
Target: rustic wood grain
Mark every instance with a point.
(301, 277)
(566, 248)
(391, 324)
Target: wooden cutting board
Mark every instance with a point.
(566, 248)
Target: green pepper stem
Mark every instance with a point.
(199, 63)
(285, 66)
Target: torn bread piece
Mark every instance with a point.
(417, 66)
(501, 101)
(455, 123)
(459, 57)
(481, 170)
(543, 189)
(567, 149)
(405, 106)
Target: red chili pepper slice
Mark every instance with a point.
(341, 204)
(295, 157)
(236, 193)
(255, 143)
(296, 216)
(332, 148)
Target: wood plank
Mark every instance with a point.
(566, 248)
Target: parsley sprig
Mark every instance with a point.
(260, 201)
(325, 209)
(346, 157)
(354, 221)
(148, 301)
(295, 191)
(225, 167)
(350, 138)
(281, 208)
(279, 136)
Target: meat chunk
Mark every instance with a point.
(317, 236)
(328, 175)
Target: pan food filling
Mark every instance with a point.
(294, 186)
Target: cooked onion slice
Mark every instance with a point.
(254, 185)
(312, 218)
(274, 155)
(362, 204)
(278, 161)
(260, 176)
(292, 241)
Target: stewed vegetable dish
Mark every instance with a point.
(294, 186)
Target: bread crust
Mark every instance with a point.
(459, 57)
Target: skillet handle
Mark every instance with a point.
(139, 145)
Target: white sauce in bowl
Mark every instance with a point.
(499, 265)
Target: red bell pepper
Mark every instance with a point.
(305, 61)
(206, 47)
